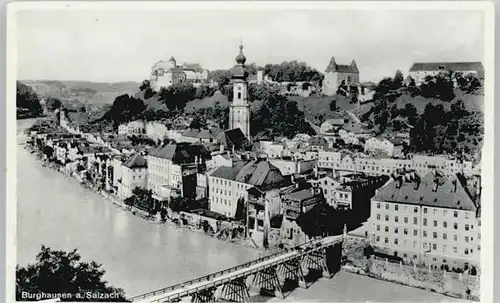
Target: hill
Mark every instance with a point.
(86, 91)
(317, 108)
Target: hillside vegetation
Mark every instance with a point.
(443, 118)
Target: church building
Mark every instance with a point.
(239, 111)
(336, 73)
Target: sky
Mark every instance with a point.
(120, 45)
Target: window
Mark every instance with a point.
(455, 249)
(435, 223)
(466, 239)
(396, 219)
(405, 231)
(425, 245)
(386, 240)
(396, 230)
(386, 217)
(396, 207)
(455, 237)
(387, 206)
(455, 225)
(415, 232)
(434, 246)
(415, 209)
(455, 214)
(434, 235)
(378, 216)
(395, 241)
(415, 221)
(387, 229)
(445, 224)
(445, 236)
(425, 222)
(425, 233)
(406, 220)
(425, 210)
(466, 251)
(466, 227)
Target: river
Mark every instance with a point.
(139, 256)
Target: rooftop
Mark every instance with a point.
(432, 190)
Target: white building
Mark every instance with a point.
(165, 176)
(429, 221)
(419, 70)
(132, 128)
(226, 185)
(168, 73)
(130, 174)
(156, 131)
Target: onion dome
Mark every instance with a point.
(240, 58)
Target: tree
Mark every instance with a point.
(124, 109)
(196, 123)
(145, 84)
(27, 100)
(58, 272)
(398, 80)
(176, 96)
(48, 151)
(52, 104)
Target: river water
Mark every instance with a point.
(139, 256)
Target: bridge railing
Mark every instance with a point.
(222, 272)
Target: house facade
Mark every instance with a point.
(420, 70)
(428, 221)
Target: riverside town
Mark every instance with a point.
(254, 182)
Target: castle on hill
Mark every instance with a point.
(168, 73)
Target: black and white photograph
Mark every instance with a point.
(249, 151)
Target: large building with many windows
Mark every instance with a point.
(427, 221)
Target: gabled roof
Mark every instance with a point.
(192, 66)
(136, 161)
(233, 137)
(453, 66)
(259, 173)
(450, 193)
(177, 153)
(334, 67)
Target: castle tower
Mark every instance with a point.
(172, 63)
(239, 112)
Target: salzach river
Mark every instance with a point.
(139, 256)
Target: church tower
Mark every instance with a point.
(239, 112)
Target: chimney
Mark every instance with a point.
(435, 185)
(454, 186)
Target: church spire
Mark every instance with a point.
(241, 59)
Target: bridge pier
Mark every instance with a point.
(292, 270)
(204, 295)
(317, 260)
(236, 291)
(267, 280)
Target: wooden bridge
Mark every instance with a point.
(266, 271)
